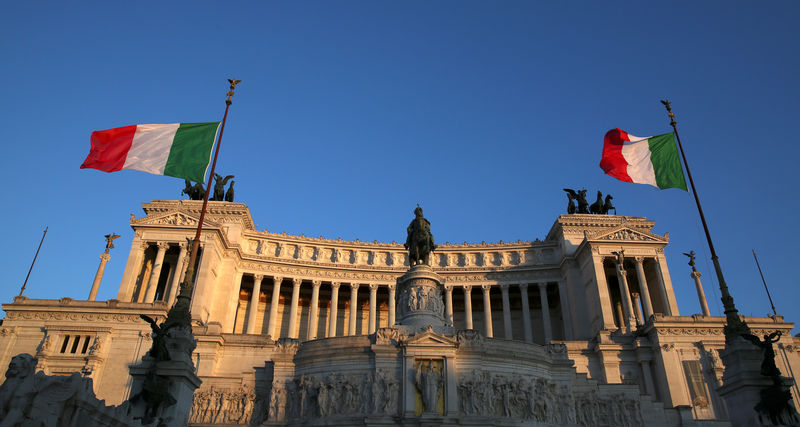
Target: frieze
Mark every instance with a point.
(629, 235)
(85, 317)
(689, 331)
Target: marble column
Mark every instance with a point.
(647, 306)
(176, 276)
(620, 316)
(487, 310)
(373, 313)
(132, 270)
(625, 295)
(636, 310)
(506, 312)
(526, 313)
(392, 303)
(273, 308)
(662, 288)
(448, 305)
(252, 309)
(334, 309)
(233, 305)
(296, 282)
(700, 294)
(152, 284)
(548, 329)
(565, 309)
(313, 315)
(104, 257)
(353, 308)
(468, 306)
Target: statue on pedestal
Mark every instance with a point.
(110, 241)
(420, 240)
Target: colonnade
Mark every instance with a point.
(144, 288)
(634, 308)
(247, 321)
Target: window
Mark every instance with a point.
(694, 379)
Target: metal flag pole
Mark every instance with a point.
(765, 283)
(734, 324)
(179, 313)
(33, 262)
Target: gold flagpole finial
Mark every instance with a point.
(233, 83)
(668, 106)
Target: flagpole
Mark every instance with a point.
(180, 311)
(735, 325)
(33, 262)
(765, 283)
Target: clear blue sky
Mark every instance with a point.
(351, 113)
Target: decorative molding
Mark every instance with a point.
(689, 331)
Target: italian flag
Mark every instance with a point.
(643, 160)
(182, 150)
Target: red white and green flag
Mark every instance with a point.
(182, 150)
(650, 160)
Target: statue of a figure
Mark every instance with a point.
(429, 383)
(768, 367)
(583, 205)
(691, 256)
(229, 193)
(420, 240)
(571, 196)
(620, 257)
(219, 186)
(110, 241)
(159, 349)
(18, 390)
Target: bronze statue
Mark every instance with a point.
(597, 206)
(607, 206)
(768, 367)
(159, 349)
(110, 241)
(229, 193)
(195, 192)
(583, 205)
(691, 256)
(219, 187)
(420, 240)
(571, 196)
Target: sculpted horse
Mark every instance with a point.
(420, 240)
(607, 206)
(583, 205)
(597, 206)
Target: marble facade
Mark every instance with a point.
(298, 330)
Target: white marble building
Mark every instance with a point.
(302, 331)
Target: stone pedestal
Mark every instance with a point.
(163, 384)
(180, 382)
(419, 303)
(743, 385)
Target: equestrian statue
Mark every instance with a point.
(420, 240)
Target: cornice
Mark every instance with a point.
(220, 212)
